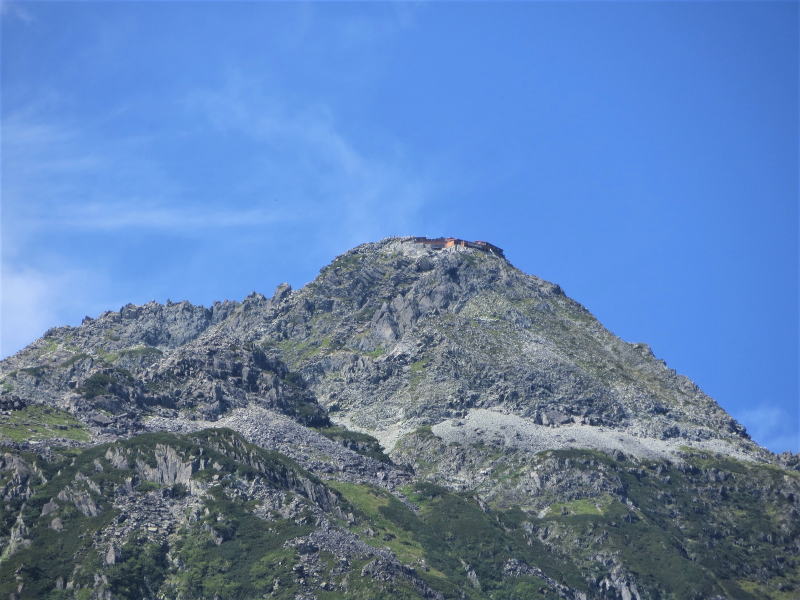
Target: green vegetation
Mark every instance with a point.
(50, 346)
(346, 263)
(379, 351)
(365, 314)
(38, 422)
(231, 553)
(212, 567)
(582, 506)
(362, 443)
(147, 486)
(307, 411)
(105, 356)
(665, 518)
(141, 351)
(140, 571)
(36, 372)
(96, 385)
(385, 515)
(449, 529)
(74, 359)
(105, 382)
(418, 366)
(680, 522)
(417, 371)
(424, 431)
(298, 351)
(54, 553)
(669, 533)
(210, 516)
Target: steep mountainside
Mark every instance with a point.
(414, 423)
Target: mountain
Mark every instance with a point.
(423, 420)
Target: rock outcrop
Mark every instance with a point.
(420, 421)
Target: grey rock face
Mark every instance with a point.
(394, 335)
(217, 374)
(533, 453)
(315, 452)
(391, 336)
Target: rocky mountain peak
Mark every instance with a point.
(423, 420)
(391, 336)
(410, 332)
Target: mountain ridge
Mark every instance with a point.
(171, 325)
(412, 383)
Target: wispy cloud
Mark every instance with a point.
(24, 309)
(295, 170)
(773, 427)
(135, 214)
(33, 300)
(306, 153)
(52, 164)
(58, 174)
(61, 177)
(9, 9)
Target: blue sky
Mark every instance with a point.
(642, 155)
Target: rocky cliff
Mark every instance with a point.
(414, 423)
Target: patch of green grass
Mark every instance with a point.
(148, 486)
(74, 359)
(416, 372)
(712, 520)
(96, 385)
(424, 431)
(38, 422)
(50, 346)
(107, 357)
(347, 262)
(365, 588)
(379, 351)
(141, 352)
(362, 443)
(760, 589)
(584, 506)
(418, 366)
(447, 529)
(382, 510)
(297, 351)
(37, 371)
(103, 382)
(140, 570)
(244, 564)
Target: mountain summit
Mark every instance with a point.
(423, 420)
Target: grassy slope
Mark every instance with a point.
(682, 533)
(37, 422)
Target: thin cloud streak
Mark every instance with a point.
(772, 427)
(58, 178)
(14, 9)
(57, 175)
(309, 175)
(33, 300)
(310, 155)
(133, 215)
